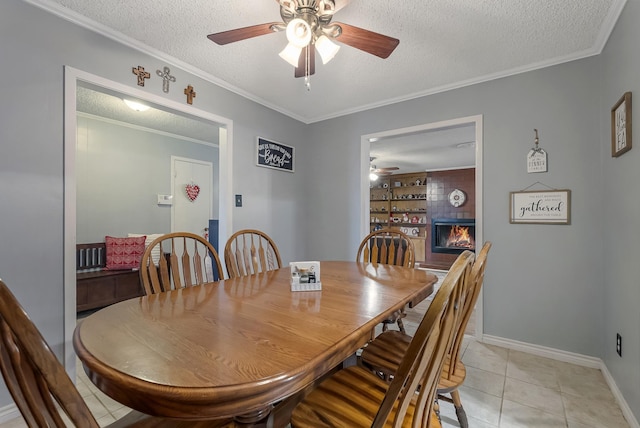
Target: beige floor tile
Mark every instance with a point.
(486, 357)
(484, 381)
(535, 396)
(481, 405)
(593, 412)
(516, 415)
(533, 369)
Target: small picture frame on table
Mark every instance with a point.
(621, 126)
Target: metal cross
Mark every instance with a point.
(190, 93)
(141, 74)
(166, 78)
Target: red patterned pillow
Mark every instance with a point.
(124, 253)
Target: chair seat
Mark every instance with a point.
(451, 381)
(350, 398)
(384, 354)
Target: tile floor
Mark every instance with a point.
(503, 388)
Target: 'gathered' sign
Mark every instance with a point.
(541, 206)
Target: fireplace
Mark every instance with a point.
(453, 235)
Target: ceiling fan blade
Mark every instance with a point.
(341, 3)
(300, 69)
(388, 168)
(374, 43)
(238, 34)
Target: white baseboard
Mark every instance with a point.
(568, 357)
(9, 412)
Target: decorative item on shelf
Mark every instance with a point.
(166, 78)
(536, 158)
(415, 231)
(405, 217)
(457, 198)
(621, 126)
(141, 74)
(418, 182)
(414, 219)
(190, 93)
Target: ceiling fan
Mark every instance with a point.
(375, 172)
(309, 28)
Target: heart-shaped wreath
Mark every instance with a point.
(193, 190)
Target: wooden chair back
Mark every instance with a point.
(250, 251)
(34, 376)
(422, 363)
(469, 299)
(387, 246)
(185, 259)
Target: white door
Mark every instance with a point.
(192, 182)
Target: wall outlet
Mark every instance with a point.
(238, 200)
(619, 344)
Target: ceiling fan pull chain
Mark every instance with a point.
(307, 79)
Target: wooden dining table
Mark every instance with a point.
(235, 347)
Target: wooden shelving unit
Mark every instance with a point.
(399, 201)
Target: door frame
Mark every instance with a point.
(365, 148)
(225, 173)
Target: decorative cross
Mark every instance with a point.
(141, 74)
(166, 78)
(190, 93)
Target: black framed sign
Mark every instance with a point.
(271, 154)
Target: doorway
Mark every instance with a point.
(73, 79)
(423, 131)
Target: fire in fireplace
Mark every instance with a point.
(452, 235)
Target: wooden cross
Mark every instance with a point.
(141, 74)
(166, 78)
(190, 93)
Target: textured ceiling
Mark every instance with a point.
(444, 44)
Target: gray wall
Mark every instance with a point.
(34, 47)
(543, 282)
(119, 173)
(621, 289)
(565, 287)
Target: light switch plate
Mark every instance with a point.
(238, 200)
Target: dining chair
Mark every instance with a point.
(384, 353)
(40, 386)
(356, 397)
(392, 247)
(250, 251)
(185, 259)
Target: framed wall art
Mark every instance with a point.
(621, 126)
(271, 154)
(540, 207)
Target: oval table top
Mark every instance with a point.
(236, 346)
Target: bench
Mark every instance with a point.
(96, 287)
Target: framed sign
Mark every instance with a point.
(271, 154)
(540, 207)
(621, 126)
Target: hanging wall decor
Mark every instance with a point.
(621, 126)
(141, 74)
(166, 78)
(190, 93)
(193, 190)
(536, 158)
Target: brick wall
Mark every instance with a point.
(439, 185)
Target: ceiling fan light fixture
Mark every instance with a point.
(134, 105)
(373, 176)
(299, 33)
(326, 48)
(291, 54)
